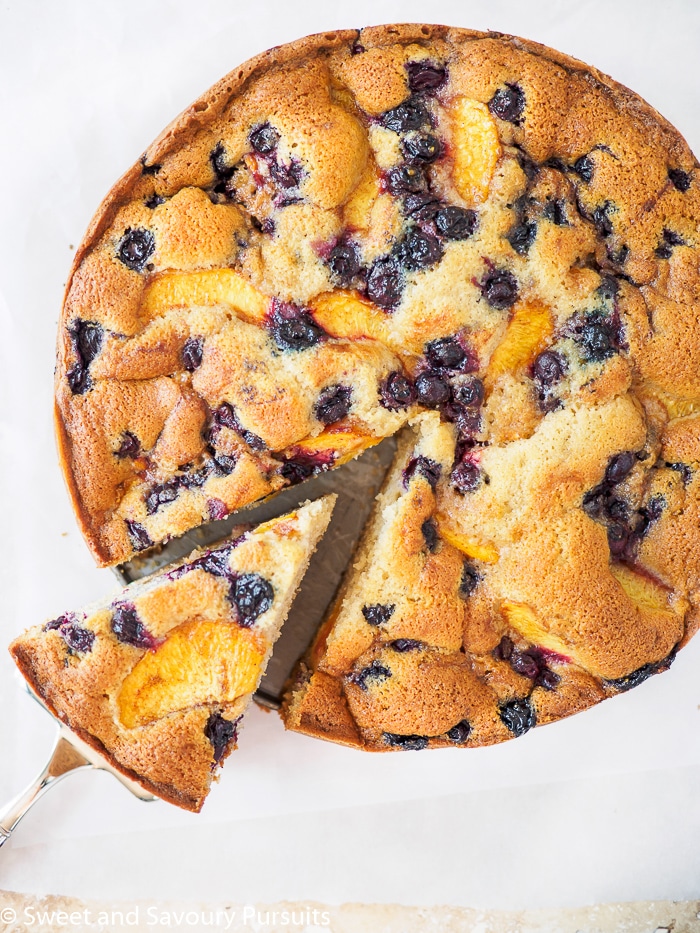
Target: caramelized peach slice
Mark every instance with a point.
(336, 447)
(358, 208)
(522, 618)
(345, 314)
(199, 662)
(208, 288)
(527, 334)
(483, 551)
(677, 407)
(641, 589)
(476, 149)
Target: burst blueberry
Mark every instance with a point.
(135, 248)
(422, 148)
(378, 614)
(333, 404)
(252, 595)
(469, 580)
(508, 103)
(500, 289)
(430, 535)
(385, 283)
(410, 115)
(460, 732)
(221, 733)
(456, 223)
(425, 75)
(522, 236)
(518, 716)
(396, 391)
(129, 629)
(409, 743)
(192, 353)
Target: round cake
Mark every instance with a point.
(465, 236)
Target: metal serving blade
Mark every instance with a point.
(68, 755)
(356, 485)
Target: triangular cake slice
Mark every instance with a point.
(158, 677)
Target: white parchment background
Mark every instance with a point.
(603, 807)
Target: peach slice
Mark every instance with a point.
(476, 149)
(336, 447)
(199, 662)
(527, 334)
(358, 208)
(522, 618)
(345, 314)
(486, 552)
(645, 592)
(208, 288)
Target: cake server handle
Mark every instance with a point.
(64, 760)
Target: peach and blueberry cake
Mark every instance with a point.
(468, 240)
(158, 677)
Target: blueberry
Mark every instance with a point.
(378, 614)
(500, 289)
(333, 404)
(425, 467)
(456, 223)
(680, 179)
(410, 743)
(287, 176)
(466, 477)
(522, 236)
(469, 580)
(459, 733)
(385, 283)
(685, 471)
(138, 535)
(53, 624)
(161, 495)
(151, 169)
(410, 115)
(264, 139)
(608, 288)
(396, 391)
(555, 212)
(215, 562)
(129, 629)
(252, 595)
(296, 471)
(445, 353)
(432, 388)
(430, 535)
(525, 664)
(217, 509)
(419, 250)
(344, 263)
(357, 49)
(422, 206)
(129, 446)
(224, 465)
(508, 103)
(469, 392)
(154, 201)
(599, 337)
(192, 353)
(617, 510)
(619, 466)
(548, 369)
(518, 716)
(619, 540)
(294, 329)
(220, 732)
(583, 167)
(375, 673)
(136, 247)
(670, 239)
(87, 338)
(405, 179)
(77, 638)
(601, 221)
(423, 147)
(504, 649)
(402, 645)
(547, 679)
(425, 75)
(622, 684)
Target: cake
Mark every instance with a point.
(468, 240)
(158, 677)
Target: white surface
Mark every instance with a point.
(601, 807)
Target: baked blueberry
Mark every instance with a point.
(344, 263)
(637, 677)
(425, 75)
(421, 147)
(252, 595)
(77, 638)
(460, 732)
(456, 223)
(129, 629)
(619, 466)
(508, 103)
(293, 328)
(221, 733)
(135, 248)
(469, 391)
(402, 645)
(405, 180)
(601, 220)
(377, 614)
(287, 175)
(375, 673)
(548, 369)
(333, 404)
(679, 179)
(555, 211)
(425, 467)
(522, 236)
(161, 495)
(432, 388)
(422, 206)
(469, 580)
(137, 535)
(192, 353)
(410, 115)
(129, 446)
(518, 716)
(385, 283)
(430, 535)
(466, 476)
(264, 139)
(504, 649)
(583, 167)
(224, 464)
(445, 353)
(410, 743)
(396, 391)
(500, 289)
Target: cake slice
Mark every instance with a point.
(158, 677)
